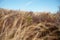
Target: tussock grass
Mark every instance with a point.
(20, 25)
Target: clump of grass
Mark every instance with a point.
(21, 25)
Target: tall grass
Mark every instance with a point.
(21, 25)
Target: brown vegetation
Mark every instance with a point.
(20, 25)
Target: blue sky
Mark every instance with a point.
(31, 5)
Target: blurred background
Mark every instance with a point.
(31, 5)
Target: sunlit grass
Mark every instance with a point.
(21, 25)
